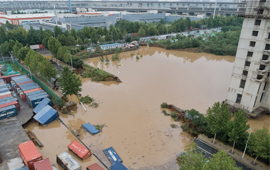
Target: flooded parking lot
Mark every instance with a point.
(131, 111)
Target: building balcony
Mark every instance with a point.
(246, 67)
(259, 80)
(266, 51)
(261, 72)
(264, 61)
(267, 39)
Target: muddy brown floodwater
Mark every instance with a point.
(136, 128)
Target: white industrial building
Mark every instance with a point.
(250, 81)
(19, 19)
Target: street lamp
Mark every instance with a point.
(30, 72)
(247, 142)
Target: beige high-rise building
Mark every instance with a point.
(250, 82)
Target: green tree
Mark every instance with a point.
(21, 54)
(141, 32)
(86, 41)
(45, 42)
(3, 35)
(11, 44)
(69, 82)
(53, 45)
(57, 31)
(41, 35)
(108, 37)
(62, 39)
(101, 40)
(71, 41)
(34, 61)
(120, 36)
(86, 31)
(191, 159)
(80, 42)
(62, 51)
(94, 37)
(47, 70)
(16, 48)
(238, 127)
(220, 161)
(259, 144)
(105, 30)
(100, 31)
(32, 36)
(73, 33)
(4, 49)
(217, 118)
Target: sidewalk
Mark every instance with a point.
(237, 155)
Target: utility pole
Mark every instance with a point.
(246, 143)
(215, 9)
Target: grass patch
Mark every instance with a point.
(165, 113)
(86, 99)
(115, 57)
(95, 74)
(163, 105)
(94, 104)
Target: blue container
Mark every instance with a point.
(22, 80)
(26, 85)
(18, 77)
(90, 128)
(34, 92)
(112, 155)
(46, 115)
(42, 104)
(30, 87)
(3, 85)
(8, 111)
(35, 95)
(118, 166)
(23, 168)
(7, 98)
(36, 100)
(4, 90)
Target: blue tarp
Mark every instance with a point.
(112, 155)
(118, 166)
(41, 105)
(46, 115)
(90, 128)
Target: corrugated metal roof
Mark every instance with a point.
(109, 44)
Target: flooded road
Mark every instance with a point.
(135, 126)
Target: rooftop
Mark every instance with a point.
(29, 15)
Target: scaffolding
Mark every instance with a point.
(258, 9)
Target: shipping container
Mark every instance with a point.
(4, 96)
(95, 166)
(112, 155)
(23, 168)
(46, 115)
(20, 80)
(118, 166)
(36, 100)
(90, 128)
(29, 87)
(67, 162)
(4, 90)
(8, 111)
(29, 154)
(43, 165)
(35, 95)
(26, 85)
(23, 95)
(42, 104)
(18, 77)
(81, 151)
(26, 82)
(8, 78)
(10, 103)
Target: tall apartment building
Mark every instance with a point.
(250, 81)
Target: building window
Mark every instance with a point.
(262, 0)
(268, 75)
(252, 43)
(245, 73)
(260, 11)
(247, 63)
(269, 35)
(255, 33)
(259, 77)
(262, 67)
(250, 54)
(238, 98)
(265, 57)
(261, 97)
(257, 22)
(242, 83)
(267, 47)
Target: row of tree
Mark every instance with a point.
(194, 159)
(222, 43)
(218, 124)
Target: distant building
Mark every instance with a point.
(19, 19)
(250, 81)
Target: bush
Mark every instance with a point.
(95, 74)
(165, 113)
(184, 126)
(137, 57)
(173, 125)
(115, 57)
(86, 99)
(163, 105)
